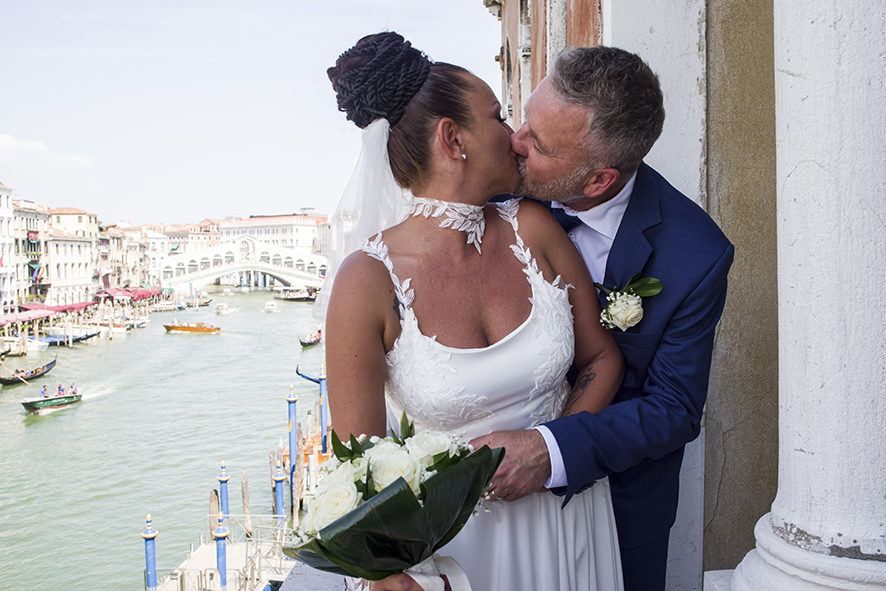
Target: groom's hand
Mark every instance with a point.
(526, 465)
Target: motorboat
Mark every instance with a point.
(197, 327)
(271, 307)
(57, 401)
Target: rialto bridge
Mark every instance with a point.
(242, 262)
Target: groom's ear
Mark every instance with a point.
(449, 138)
(601, 181)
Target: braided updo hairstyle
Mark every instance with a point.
(384, 76)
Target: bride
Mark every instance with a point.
(463, 314)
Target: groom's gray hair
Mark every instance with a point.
(624, 98)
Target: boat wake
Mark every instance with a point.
(92, 395)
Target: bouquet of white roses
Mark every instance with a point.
(387, 504)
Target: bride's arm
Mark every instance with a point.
(357, 324)
(600, 363)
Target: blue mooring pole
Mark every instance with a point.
(221, 535)
(324, 403)
(150, 555)
(324, 409)
(223, 487)
(279, 477)
(292, 399)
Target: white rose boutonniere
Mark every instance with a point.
(625, 306)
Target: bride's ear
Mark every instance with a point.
(449, 138)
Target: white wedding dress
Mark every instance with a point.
(515, 383)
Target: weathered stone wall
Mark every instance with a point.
(741, 464)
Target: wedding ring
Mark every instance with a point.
(497, 497)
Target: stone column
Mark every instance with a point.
(827, 526)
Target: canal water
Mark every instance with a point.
(159, 413)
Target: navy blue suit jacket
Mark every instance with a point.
(638, 440)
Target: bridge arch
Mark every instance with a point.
(244, 257)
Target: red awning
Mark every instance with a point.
(62, 308)
(25, 316)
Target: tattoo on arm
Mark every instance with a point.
(584, 380)
(397, 308)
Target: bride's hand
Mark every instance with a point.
(526, 465)
(401, 582)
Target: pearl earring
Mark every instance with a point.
(464, 156)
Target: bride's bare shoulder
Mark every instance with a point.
(536, 221)
(362, 274)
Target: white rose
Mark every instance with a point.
(336, 501)
(389, 466)
(384, 446)
(343, 473)
(426, 444)
(625, 311)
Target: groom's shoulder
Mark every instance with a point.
(680, 216)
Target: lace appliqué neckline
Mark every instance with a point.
(459, 216)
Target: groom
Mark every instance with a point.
(588, 126)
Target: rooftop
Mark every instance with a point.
(68, 211)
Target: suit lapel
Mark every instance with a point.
(630, 249)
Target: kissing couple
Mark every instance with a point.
(475, 312)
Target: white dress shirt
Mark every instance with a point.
(593, 239)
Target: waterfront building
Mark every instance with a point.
(191, 237)
(69, 268)
(30, 229)
(134, 265)
(297, 231)
(321, 244)
(7, 267)
(75, 222)
(156, 248)
(109, 262)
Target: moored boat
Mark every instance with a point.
(167, 307)
(295, 295)
(199, 327)
(41, 402)
(55, 340)
(23, 375)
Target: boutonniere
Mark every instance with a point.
(625, 306)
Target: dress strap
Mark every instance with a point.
(379, 251)
(507, 210)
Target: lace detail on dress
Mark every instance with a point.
(554, 317)
(417, 367)
(463, 217)
(379, 251)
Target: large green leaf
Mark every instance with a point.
(459, 488)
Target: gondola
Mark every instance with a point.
(20, 376)
(311, 340)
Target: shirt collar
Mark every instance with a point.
(606, 217)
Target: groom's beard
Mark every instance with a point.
(566, 189)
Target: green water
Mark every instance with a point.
(159, 413)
